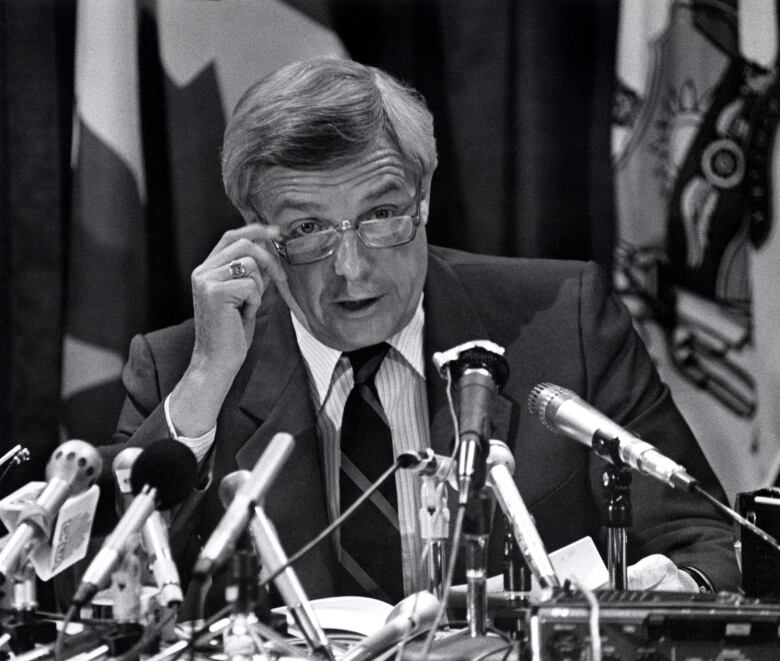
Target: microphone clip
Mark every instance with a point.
(474, 354)
(608, 447)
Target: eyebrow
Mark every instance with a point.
(311, 206)
(294, 205)
(388, 187)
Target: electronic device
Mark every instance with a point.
(657, 626)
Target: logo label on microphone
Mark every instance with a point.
(70, 539)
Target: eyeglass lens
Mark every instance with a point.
(379, 233)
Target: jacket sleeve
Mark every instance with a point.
(142, 419)
(622, 383)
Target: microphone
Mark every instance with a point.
(162, 476)
(501, 467)
(273, 557)
(481, 371)
(72, 469)
(154, 531)
(413, 615)
(235, 520)
(564, 412)
(122, 467)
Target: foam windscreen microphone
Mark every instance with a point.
(170, 467)
(162, 476)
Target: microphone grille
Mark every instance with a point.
(493, 362)
(170, 467)
(544, 400)
(230, 484)
(77, 462)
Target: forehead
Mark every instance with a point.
(375, 173)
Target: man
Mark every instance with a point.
(331, 163)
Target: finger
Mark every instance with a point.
(234, 293)
(252, 232)
(244, 267)
(649, 572)
(266, 261)
(250, 308)
(236, 269)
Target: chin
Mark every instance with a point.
(360, 338)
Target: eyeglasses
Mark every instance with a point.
(373, 232)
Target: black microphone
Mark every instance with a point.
(564, 412)
(155, 533)
(73, 468)
(481, 371)
(235, 520)
(274, 559)
(162, 476)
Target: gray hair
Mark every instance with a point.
(321, 113)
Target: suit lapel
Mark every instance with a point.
(450, 320)
(276, 399)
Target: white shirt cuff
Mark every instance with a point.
(200, 445)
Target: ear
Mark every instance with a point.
(426, 197)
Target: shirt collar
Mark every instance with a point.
(322, 360)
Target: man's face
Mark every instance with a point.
(359, 295)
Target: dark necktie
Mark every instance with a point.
(370, 540)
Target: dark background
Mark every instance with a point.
(521, 93)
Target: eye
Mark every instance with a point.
(381, 213)
(304, 228)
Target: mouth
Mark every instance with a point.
(357, 304)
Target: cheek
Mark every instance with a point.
(305, 287)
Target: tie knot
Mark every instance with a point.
(365, 362)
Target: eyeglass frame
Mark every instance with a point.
(346, 224)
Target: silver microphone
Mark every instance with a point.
(273, 557)
(162, 476)
(154, 532)
(235, 520)
(72, 469)
(410, 617)
(110, 554)
(564, 412)
(501, 467)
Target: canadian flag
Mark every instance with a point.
(155, 82)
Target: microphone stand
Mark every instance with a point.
(23, 627)
(434, 518)
(126, 603)
(476, 533)
(238, 641)
(617, 514)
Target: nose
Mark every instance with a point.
(350, 261)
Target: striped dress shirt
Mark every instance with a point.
(400, 383)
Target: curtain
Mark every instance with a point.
(522, 98)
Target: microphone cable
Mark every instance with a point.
(457, 532)
(148, 637)
(60, 640)
(404, 460)
(204, 629)
(737, 517)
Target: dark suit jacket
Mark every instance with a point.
(557, 322)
